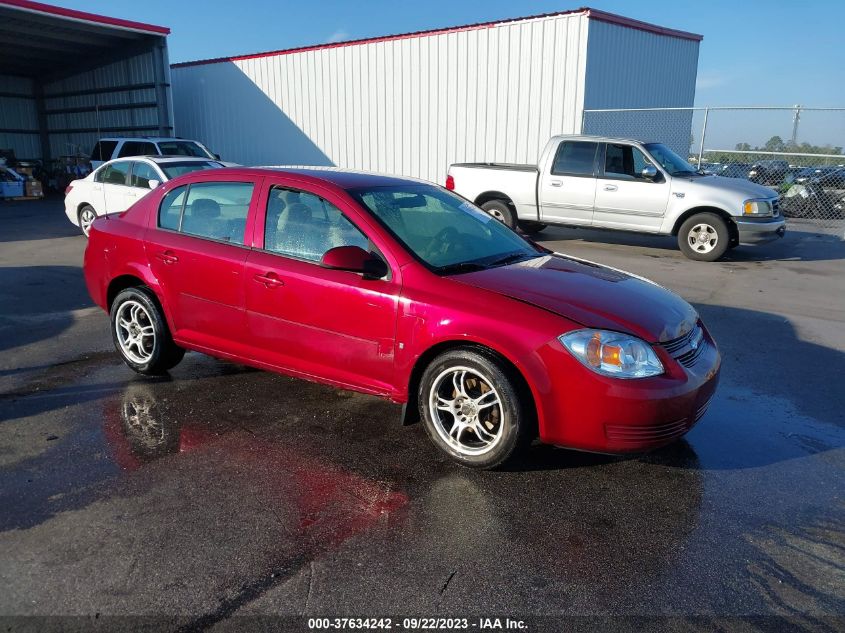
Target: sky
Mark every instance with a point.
(775, 52)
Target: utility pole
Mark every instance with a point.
(795, 119)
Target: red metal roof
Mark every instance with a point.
(83, 16)
(590, 13)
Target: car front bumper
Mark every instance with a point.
(760, 231)
(586, 411)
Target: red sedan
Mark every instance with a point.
(401, 289)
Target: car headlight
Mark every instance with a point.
(757, 207)
(612, 353)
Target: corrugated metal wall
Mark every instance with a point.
(19, 115)
(119, 99)
(407, 106)
(631, 68)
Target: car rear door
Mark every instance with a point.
(329, 324)
(624, 199)
(116, 190)
(567, 188)
(196, 247)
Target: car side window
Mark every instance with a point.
(116, 173)
(137, 148)
(305, 226)
(103, 150)
(142, 174)
(624, 162)
(170, 210)
(575, 158)
(217, 210)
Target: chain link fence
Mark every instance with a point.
(796, 151)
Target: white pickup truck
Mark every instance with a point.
(628, 185)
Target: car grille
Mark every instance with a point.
(620, 434)
(687, 348)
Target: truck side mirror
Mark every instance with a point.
(649, 172)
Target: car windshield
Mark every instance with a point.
(183, 148)
(669, 160)
(448, 233)
(172, 170)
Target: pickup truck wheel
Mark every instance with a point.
(531, 228)
(501, 210)
(472, 410)
(704, 237)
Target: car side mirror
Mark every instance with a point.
(354, 259)
(217, 156)
(152, 184)
(649, 172)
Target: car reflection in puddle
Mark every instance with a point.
(311, 497)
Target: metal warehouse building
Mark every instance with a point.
(412, 104)
(67, 77)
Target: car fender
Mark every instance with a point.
(145, 274)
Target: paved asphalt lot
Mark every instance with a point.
(223, 492)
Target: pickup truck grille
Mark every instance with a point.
(687, 348)
(775, 208)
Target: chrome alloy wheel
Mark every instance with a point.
(86, 219)
(135, 332)
(702, 238)
(467, 411)
(497, 214)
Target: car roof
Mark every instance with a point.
(153, 139)
(343, 178)
(600, 139)
(163, 160)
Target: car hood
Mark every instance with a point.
(591, 295)
(740, 186)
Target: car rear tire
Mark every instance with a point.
(87, 215)
(530, 227)
(472, 409)
(140, 333)
(704, 237)
(502, 211)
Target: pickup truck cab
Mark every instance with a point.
(623, 184)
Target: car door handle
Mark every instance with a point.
(555, 183)
(610, 187)
(270, 280)
(167, 257)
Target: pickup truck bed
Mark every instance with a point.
(507, 166)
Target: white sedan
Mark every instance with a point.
(118, 184)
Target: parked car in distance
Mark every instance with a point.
(118, 184)
(626, 185)
(735, 170)
(768, 172)
(401, 289)
(820, 196)
(122, 147)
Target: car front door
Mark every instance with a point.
(196, 248)
(625, 199)
(116, 198)
(567, 189)
(139, 180)
(329, 324)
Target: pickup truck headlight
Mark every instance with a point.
(757, 208)
(612, 354)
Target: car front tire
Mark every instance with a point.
(472, 409)
(704, 237)
(140, 333)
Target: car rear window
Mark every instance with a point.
(172, 170)
(575, 158)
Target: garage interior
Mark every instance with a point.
(69, 77)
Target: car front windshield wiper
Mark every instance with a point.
(460, 267)
(510, 258)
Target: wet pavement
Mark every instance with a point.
(222, 492)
